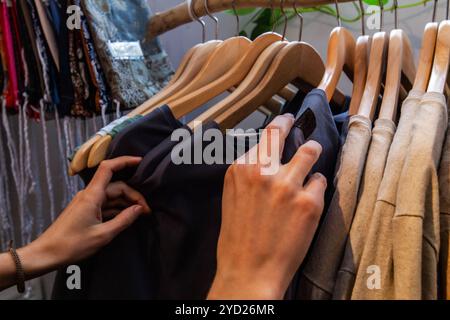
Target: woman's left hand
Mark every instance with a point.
(94, 217)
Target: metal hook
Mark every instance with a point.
(448, 10)
(434, 11)
(285, 19)
(214, 18)
(381, 14)
(338, 15)
(196, 18)
(272, 16)
(233, 5)
(363, 14)
(396, 14)
(300, 16)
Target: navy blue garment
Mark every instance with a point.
(172, 253)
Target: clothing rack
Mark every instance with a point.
(179, 15)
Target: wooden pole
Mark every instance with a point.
(179, 15)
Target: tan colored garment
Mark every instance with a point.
(444, 188)
(376, 260)
(382, 136)
(415, 225)
(319, 273)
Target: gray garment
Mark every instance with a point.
(115, 23)
(319, 274)
(382, 136)
(415, 227)
(376, 259)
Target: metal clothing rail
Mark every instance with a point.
(179, 15)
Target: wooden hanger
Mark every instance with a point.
(254, 76)
(360, 75)
(400, 62)
(426, 57)
(439, 72)
(183, 63)
(362, 51)
(189, 102)
(252, 79)
(297, 60)
(226, 67)
(199, 55)
(375, 74)
(340, 57)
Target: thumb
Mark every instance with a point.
(123, 220)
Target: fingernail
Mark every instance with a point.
(289, 115)
(315, 143)
(138, 209)
(321, 177)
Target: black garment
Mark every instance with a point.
(32, 88)
(65, 80)
(122, 269)
(172, 253)
(138, 138)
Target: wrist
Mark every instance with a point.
(37, 259)
(233, 287)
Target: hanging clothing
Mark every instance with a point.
(382, 135)
(145, 69)
(415, 226)
(3, 68)
(42, 54)
(102, 100)
(444, 188)
(321, 267)
(35, 60)
(48, 31)
(378, 247)
(66, 87)
(12, 89)
(31, 75)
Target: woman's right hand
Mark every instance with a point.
(268, 221)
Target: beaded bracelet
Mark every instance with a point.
(20, 275)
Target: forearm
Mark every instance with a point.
(35, 262)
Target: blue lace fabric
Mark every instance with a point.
(131, 81)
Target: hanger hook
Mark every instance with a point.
(363, 14)
(448, 10)
(338, 14)
(272, 16)
(233, 5)
(300, 16)
(396, 14)
(434, 11)
(381, 14)
(191, 10)
(214, 18)
(285, 19)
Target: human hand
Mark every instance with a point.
(268, 221)
(80, 230)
